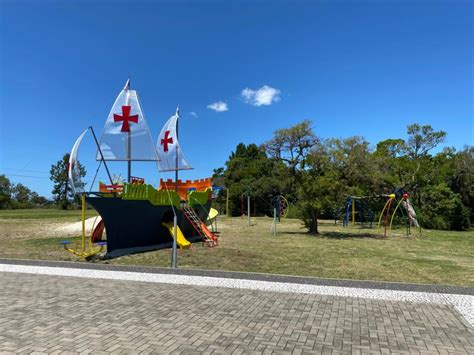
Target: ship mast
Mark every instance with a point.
(129, 138)
(177, 148)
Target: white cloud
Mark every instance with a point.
(218, 106)
(194, 114)
(264, 96)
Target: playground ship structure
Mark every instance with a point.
(136, 216)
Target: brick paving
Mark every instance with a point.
(55, 314)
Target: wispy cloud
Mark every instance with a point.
(194, 114)
(264, 96)
(218, 106)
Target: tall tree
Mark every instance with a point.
(5, 192)
(59, 176)
(292, 146)
(419, 167)
(351, 158)
(390, 162)
(249, 172)
(421, 139)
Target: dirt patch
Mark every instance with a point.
(19, 229)
(76, 227)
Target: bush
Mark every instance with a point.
(443, 209)
(294, 211)
(460, 217)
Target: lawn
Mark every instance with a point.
(435, 257)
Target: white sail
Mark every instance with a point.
(170, 154)
(74, 174)
(126, 135)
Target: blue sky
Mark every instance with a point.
(365, 68)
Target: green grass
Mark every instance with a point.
(435, 257)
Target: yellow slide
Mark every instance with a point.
(213, 213)
(182, 242)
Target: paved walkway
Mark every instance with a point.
(53, 310)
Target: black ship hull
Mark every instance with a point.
(137, 225)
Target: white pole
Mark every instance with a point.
(248, 208)
(274, 221)
(129, 140)
(174, 255)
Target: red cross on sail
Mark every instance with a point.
(167, 140)
(126, 118)
(170, 154)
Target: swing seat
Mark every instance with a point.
(65, 242)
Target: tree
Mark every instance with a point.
(21, 195)
(388, 161)
(390, 148)
(351, 158)
(321, 174)
(419, 165)
(316, 187)
(443, 209)
(421, 139)
(249, 172)
(292, 146)
(5, 192)
(38, 201)
(59, 175)
(461, 177)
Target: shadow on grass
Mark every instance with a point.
(335, 235)
(350, 235)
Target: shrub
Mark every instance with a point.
(443, 209)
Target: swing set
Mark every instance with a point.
(357, 206)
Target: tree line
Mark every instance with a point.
(317, 175)
(16, 196)
(13, 196)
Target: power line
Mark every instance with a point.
(28, 176)
(44, 177)
(26, 170)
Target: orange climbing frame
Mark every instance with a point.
(110, 188)
(184, 186)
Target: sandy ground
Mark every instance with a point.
(76, 227)
(26, 229)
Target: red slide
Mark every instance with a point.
(98, 231)
(210, 236)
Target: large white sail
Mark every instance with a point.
(74, 173)
(170, 154)
(126, 135)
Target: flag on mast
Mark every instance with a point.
(170, 154)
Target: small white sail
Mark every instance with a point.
(170, 154)
(74, 174)
(126, 135)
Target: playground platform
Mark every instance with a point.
(52, 307)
